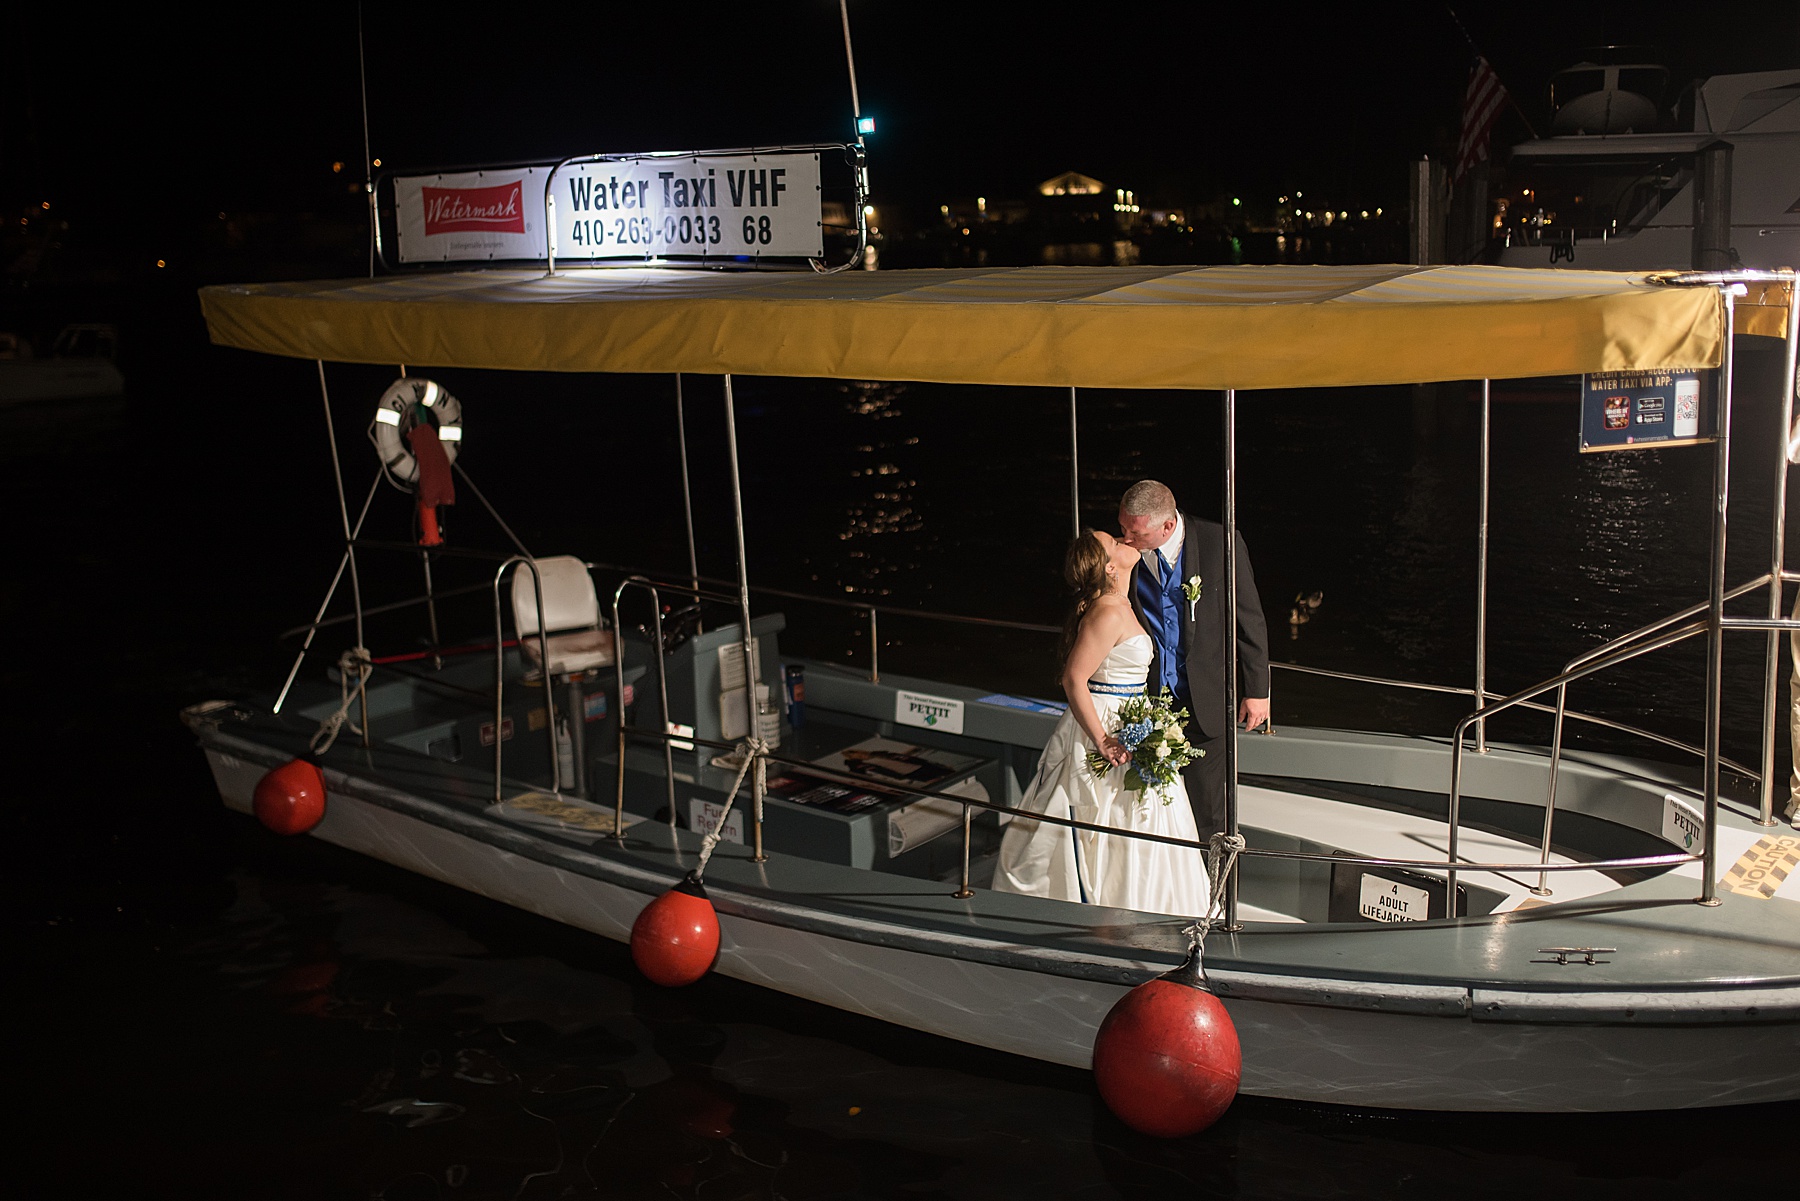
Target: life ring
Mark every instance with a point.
(406, 403)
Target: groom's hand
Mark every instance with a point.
(1253, 712)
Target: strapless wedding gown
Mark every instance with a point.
(1043, 860)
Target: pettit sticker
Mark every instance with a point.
(929, 712)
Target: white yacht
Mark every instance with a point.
(1719, 190)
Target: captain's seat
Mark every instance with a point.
(578, 638)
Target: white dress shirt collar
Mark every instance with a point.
(1170, 550)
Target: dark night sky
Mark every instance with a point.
(152, 121)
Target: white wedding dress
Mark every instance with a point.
(1043, 860)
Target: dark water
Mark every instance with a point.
(197, 1009)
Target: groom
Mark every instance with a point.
(1178, 591)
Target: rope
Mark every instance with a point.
(1221, 856)
(354, 661)
(753, 752)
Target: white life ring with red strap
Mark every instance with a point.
(398, 412)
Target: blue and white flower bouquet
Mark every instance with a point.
(1151, 730)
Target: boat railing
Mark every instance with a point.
(874, 612)
(543, 632)
(1671, 859)
(1656, 636)
(1562, 694)
(667, 737)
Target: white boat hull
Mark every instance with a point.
(1302, 1052)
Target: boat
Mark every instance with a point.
(1575, 931)
(80, 367)
(1626, 185)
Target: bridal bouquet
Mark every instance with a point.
(1151, 730)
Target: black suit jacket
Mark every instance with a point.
(1215, 710)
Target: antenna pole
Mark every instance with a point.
(362, 79)
(850, 58)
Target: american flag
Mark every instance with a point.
(1481, 108)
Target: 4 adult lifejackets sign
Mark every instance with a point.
(713, 206)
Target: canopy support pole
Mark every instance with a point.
(751, 672)
(1715, 617)
(687, 492)
(337, 474)
(1777, 540)
(1231, 656)
(330, 591)
(1074, 467)
(1481, 574)
(491, 511)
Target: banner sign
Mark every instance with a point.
(710, 206)
(471, 216)
(1624, 410)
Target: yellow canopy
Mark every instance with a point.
(1093, 327)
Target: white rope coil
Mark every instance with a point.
(1221, 857)
(353, 662)
(753, 752)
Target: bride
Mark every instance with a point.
(1106, 657)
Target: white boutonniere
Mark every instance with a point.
(1191, 590)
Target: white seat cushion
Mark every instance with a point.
(578, 650)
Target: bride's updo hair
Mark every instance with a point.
(1084, 570)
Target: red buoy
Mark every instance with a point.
(290, 799)
(676, 938)
(1167, 1060)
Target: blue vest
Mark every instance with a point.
(1165, 611)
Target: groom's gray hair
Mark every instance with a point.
(1148, 498)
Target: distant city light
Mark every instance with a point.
(1298, 195)
(1235, 202)
(45, 206)
(162, 263)
(981, 204)
(865, 125)
(378, 162)
(337, 168)
(869, 210)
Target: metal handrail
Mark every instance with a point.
(1672, 859)
(1451, 689)
(537, 582)
(662, 693)
(1561, 709)
(1619, 655)
(392, 606)
(836, 601)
